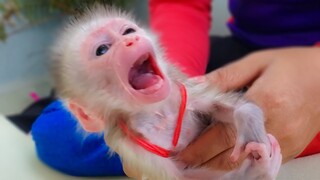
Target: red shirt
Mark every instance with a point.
(183, 27)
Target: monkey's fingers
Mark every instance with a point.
(237, 150)
(276, 156)
(258, 151)
(223, 161)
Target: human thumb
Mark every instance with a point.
(239, 74)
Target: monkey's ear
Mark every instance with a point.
(87, 121)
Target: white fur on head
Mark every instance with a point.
(70, 78)
(66, 49)
(71, 81)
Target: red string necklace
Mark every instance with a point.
(155, 148)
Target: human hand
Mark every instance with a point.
(285, 84)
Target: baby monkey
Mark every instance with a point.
(113, 76)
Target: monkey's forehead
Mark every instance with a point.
(97, 13)
(91, 32)
(78, 32)
(92, 17)
(104, 23)
(80, 27)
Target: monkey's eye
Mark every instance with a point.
(129, 31)
(102, 49)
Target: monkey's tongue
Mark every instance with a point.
(143, 76)
(144, 81)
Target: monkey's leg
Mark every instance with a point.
(260, 165)
(266, 165)
(249, 122)
(251, 138)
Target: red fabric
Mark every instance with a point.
(312, 148)
(183, 28)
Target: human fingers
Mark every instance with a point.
(211, 143)
(223, 161)
(240, 73)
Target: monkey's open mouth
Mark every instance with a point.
(145, 74)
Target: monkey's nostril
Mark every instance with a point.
(130, 43)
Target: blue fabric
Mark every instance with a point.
(276, 23)
(63, 145)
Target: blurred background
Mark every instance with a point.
(27, 29)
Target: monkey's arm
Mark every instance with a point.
(183, 28)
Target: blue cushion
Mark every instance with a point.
(63, 145)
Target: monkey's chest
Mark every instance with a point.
(160, 128)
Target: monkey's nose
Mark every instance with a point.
(130, 41)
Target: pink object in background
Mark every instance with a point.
(34, 96)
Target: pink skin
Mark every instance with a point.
(262, 160)
(128, 52)
(262, 163)
(271, 161)
(125, 51)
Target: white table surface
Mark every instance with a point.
(18, 161)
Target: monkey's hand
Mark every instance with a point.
(263, 158)
(261, 164)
